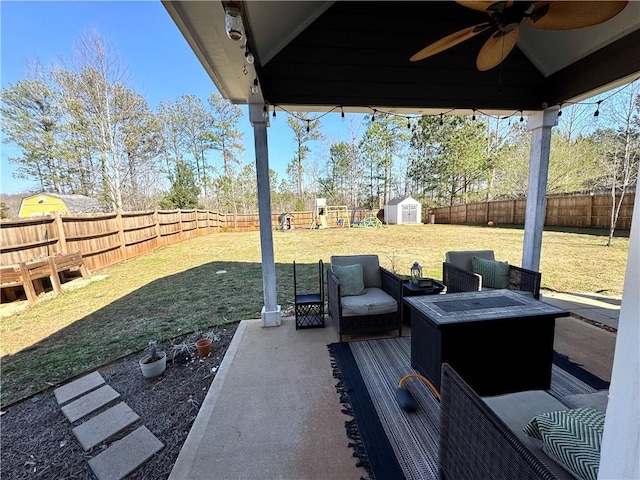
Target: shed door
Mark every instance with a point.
(410, 213)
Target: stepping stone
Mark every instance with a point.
(89, 403)
(99, 428)
(125, 455)
(78, 387)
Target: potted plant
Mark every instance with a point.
(154, 363)
(203, 346)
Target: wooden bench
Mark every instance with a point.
(29, 275)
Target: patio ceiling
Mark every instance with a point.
(317, 55)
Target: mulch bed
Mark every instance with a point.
(37, 441)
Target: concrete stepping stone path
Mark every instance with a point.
(89, 403)
(89, 394)
(125, 455)
(78, 387)
(101, 427)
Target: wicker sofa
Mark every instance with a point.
(458, 275)
(378, 309)
(483, 438)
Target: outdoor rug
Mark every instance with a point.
(389, 442)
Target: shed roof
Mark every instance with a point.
(399, 200)
(76, 203)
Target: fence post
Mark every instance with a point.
(486, 213)
(123, 246)
(156, 221)
(590, 212)
(62, 237)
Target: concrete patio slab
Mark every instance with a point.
(102, 426)
(78, 387)
(89, 403)
(272, 411)
(125, 455)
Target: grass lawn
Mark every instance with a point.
(177, 289)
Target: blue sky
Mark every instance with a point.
(160, 63)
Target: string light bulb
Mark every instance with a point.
(441, 120)
(474, 115)
(265, 111)
(308, 126)
(560, 110)
(274, 111)
(341, 111)
(408, 123)
(521, 117)
(233, 22)
(248, 55)
(597, 112)
(254, 86)
(373, 116)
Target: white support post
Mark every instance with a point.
(620, 452)
(540, 124)
(271, 316)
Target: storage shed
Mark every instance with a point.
(402, 210)
(48, 203)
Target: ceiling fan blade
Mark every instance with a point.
(480, 6)
(563, 15)
(450, 41)
(496, 49)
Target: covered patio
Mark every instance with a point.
(354, 57)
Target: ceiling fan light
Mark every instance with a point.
(233, 23)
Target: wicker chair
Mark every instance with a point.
(458, 277)
(475, 444)
(378, 283)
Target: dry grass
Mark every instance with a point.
(176, 289)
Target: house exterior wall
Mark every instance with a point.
(41, 204)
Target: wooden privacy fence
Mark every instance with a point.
(105, 239)
(587, 211)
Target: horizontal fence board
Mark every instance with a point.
(584, 211)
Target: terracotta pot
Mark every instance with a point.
(204, 347)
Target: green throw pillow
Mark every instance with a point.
(494, 274)
(351, 279)
(572, 438)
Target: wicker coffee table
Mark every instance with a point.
(499, 341)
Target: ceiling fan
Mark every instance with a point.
(505, 19)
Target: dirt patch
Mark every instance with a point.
(37, 441)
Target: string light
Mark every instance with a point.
(254, 87)
(248, 55)
(265, 111)
(308, 126)
(375, 111)
(274, 111)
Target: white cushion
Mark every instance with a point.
(374, 302)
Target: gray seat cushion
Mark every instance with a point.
(517, 410)
(374, 302)
(597, 400)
